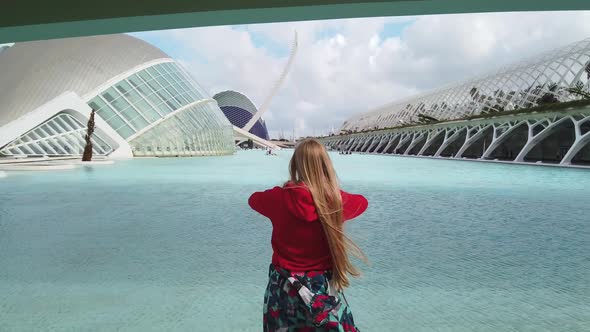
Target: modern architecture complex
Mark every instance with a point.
(239, 110)
(536, 110)
(146, 104)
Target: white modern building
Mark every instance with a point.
(522, 84)
(534, 111)
(239, 110)
(145, 103)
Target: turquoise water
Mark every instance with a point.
(171, 245)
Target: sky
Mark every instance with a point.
(350, 66)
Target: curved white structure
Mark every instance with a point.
(239, 109)
(490, 117)
(264, 107)
(522, 85)
(146, 104)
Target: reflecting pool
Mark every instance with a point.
(171, 245)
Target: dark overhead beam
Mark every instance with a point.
(32, 20)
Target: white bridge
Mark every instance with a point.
(241, 135)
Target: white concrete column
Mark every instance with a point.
(533, 140)
(499, 139)
(390, 141)
(449, 138)
(579, 143)
(470, 138)
(403, 140)
(416, 138)
(432, 136)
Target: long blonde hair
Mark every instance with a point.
(311, 165)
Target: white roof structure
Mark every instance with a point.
(35, 72)
(146, 103)
(520, 85)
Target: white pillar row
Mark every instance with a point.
(354, 143)
(359, 148)
(473, 134)
(548, 126)
(342, 144)
(366, 145)
(387, 143)
(416, 138)
(450, 136)
(376, 142)
(361, 142)
(580, 141)
(391, 140)
(403, 140)
(501, 133)
(373, 142)
(348, 144)
(432, 136)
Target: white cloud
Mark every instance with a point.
(303, 106)
(345, 67)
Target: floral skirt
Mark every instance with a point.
(297, 302)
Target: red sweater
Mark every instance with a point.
(298, 239)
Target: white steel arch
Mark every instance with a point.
(264, 106)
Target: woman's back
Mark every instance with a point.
(298, 239)
(310, 264)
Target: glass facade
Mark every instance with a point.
(239, 117)
(61, 135)
(545, 78)
(140, 109)
(145, 97)
(187, 133)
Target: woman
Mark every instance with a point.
(310, 263)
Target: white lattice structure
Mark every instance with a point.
(520, 85)
(473, 119)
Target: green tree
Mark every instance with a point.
(579, 91)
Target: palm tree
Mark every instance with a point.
(423, 118)
(87, 155)
(578, 90)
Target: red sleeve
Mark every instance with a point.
(353, 205)
(264, 202)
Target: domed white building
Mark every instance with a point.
(239, 110)
(146, 104)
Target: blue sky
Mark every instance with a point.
(260, 40)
